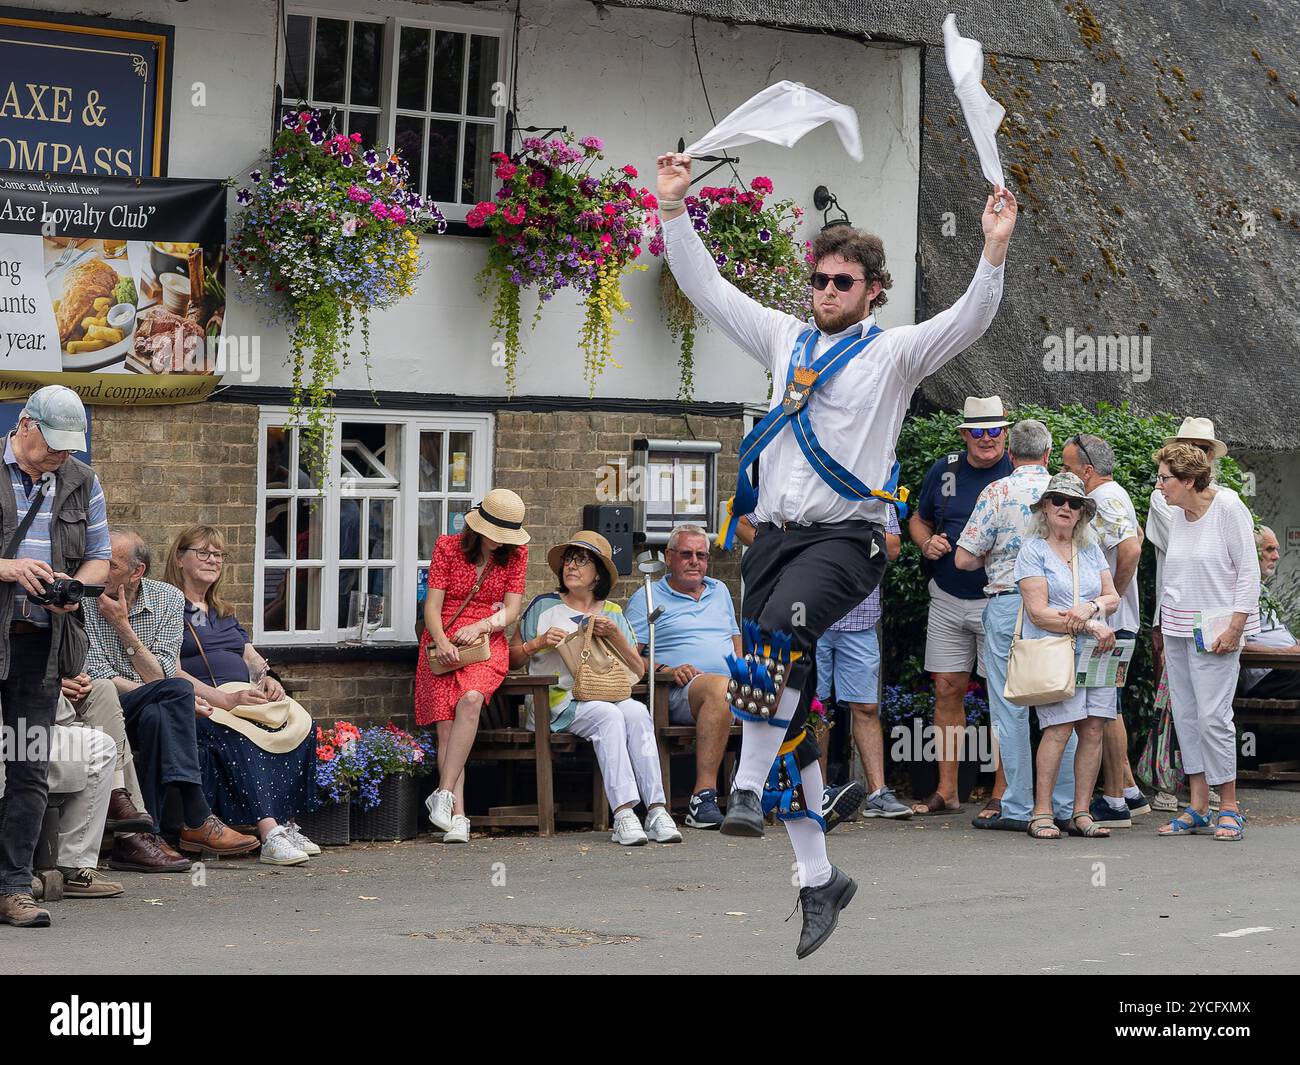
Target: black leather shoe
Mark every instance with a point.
(744, 815)
(821, 910)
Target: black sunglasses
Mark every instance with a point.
(993, 433)
(1077, 441)
(1073, 502)
(843, 282)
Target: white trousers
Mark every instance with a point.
(1201, 687)
(82, 816)
(624, 740)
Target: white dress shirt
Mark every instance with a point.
(858, 414)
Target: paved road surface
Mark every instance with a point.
(935, 896)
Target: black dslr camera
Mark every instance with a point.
(64, 591)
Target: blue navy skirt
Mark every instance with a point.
(244, 784)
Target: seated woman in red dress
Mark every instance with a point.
(489, 560)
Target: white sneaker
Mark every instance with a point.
(278, 849)
(300, 841)
(661, 827)
(1214, 799)
(440, 805)
(459, 831)
(628, 831)
(1165, 801)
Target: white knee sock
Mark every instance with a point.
(806, 835)
(759, 743)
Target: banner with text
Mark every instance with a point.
(114, 287)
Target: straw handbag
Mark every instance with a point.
(478, 651)
(1041, 672)
(599, 671)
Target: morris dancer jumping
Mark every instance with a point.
(843, 389)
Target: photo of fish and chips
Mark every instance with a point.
(144, 306)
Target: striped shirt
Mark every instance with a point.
(36, 544)
(1211, 566)
(157, 618)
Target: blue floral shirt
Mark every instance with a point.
(1000, 523)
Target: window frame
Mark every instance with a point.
(441, 17)
(405, 525)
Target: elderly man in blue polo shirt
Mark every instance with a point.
(693, 636)
(37, 637)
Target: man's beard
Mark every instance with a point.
(841, 320)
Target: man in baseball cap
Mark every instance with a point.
(50, 527)
(59, 415)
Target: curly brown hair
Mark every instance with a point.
(859, 246)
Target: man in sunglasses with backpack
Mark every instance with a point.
(954, 640)
(828, 473)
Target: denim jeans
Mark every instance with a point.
(28, 702)
(1011, 722)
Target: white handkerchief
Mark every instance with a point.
(781, 114)
(983, 113)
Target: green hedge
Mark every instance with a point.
(1133, 437)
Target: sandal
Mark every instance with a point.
(1236, 826)
(1038, 827)
(1179, 827)
(1093, 829)
(935, 804)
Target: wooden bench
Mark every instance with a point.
(679, 739)
(1282, 712)
(503, 736)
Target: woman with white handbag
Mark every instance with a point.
(1066, 591)
(476, 590)
(582, 637)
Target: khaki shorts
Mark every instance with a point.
(954, 637)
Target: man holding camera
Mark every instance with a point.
(53, 525)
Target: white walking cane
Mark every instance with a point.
(651, 566)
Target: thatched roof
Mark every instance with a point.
(1032, 28)
(1172, 212)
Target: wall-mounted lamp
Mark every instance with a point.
(824, 200)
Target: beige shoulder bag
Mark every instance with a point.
(1041, 672)
(598, 670)
(478, 651)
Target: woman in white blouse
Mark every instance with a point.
(1210, 601)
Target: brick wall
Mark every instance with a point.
(552, 458)
(167, 467)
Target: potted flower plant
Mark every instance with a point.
(907, 721)
(337, 770)
(385, 804)
(754, 243)
(327, 236)
(555, 224)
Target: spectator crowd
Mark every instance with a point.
(165, 726)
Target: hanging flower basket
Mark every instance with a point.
(756, 248)
(328, 235)
(555, 224)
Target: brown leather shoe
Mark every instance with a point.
(170, 851)
(123, 816)
(213, 837)
(21, 911)
(141, 853)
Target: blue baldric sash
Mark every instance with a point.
(801, 382)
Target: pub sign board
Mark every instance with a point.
(81, 95)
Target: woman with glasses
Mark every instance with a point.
(1061, 552)
(622, 733)
(243, 783)
(1209, 602)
